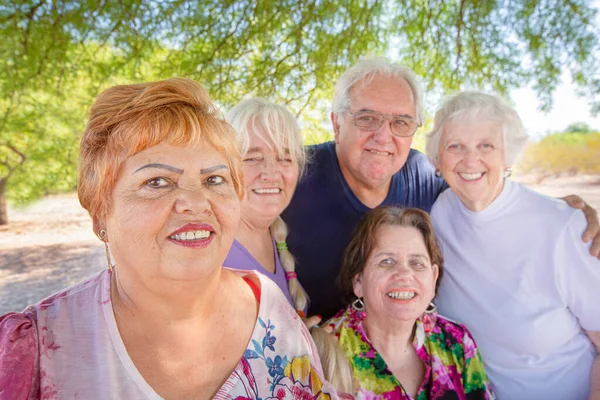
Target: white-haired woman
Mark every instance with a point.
(518, 273)
(273, 159)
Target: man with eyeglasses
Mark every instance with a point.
(377, 107)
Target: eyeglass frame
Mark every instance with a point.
(385, 117)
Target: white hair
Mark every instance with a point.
(279, 234)
(364, 71)
(478, 106)
(257, 116)
(268, 120)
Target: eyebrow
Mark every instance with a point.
(160, 166)
(180, 171)
(414, 255)
(418, 255)
(395, 115)
(213, 169)
(260, 150)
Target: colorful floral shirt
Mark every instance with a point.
(454, 369)
(68, 347)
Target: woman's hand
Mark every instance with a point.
(315, 320)
(593, 229)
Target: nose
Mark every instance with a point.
(269, 169)
(192, 200)
(383, 135)
(402, 271)
(471, 156)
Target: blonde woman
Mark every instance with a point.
(273, 159)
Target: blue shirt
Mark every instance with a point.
(324, 212)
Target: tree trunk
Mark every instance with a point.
(3, 212)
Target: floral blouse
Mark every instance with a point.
(454, 369)
(68, 346)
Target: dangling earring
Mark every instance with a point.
(431, 308)
(102, 236)
(438, 173)
(508, 172)
(358, 304)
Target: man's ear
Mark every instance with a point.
(335, 121)
(357, 285)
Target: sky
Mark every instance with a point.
(567, 108)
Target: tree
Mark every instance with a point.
(579, 127)
(289, 51)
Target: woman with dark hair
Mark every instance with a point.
(397, 344)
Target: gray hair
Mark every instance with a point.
(257, 116)
(268, 120)
(477, 106)
(364, 71)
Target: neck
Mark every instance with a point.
(372, 193)
(389, 337)
(249, 234)
(172, 301)
(477, 206)
(255, 223)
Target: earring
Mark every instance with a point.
(431, 308)
(102, 236)
(358, 304)
(508, 172)
(438, 173)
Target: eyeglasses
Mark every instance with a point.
(372, 120)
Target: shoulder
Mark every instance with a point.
(415, 157)
(77, 295)
(320, 155)
(551, 210)
(18, 354)
(442, 207)
(451, 333)
(17, 327)
(272, 299)
(341, 319)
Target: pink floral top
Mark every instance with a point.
(68, 347)
(454, 369)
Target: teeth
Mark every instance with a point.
(380, 153)
(401, 295)
(191, 235)
(471, 177)
(201, 234)
(264, 191)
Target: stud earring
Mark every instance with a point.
(438, 173)
(508, 172)
(102, 235)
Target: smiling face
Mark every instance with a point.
(370, 158)
(471, 160)
(269, 179)
(398, 281)
(173, 214)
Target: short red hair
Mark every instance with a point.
(128, 119)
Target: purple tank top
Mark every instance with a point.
(240, 258)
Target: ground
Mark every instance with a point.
(50, 244)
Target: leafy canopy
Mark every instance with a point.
(55, 57)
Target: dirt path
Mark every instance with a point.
(50, 245)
